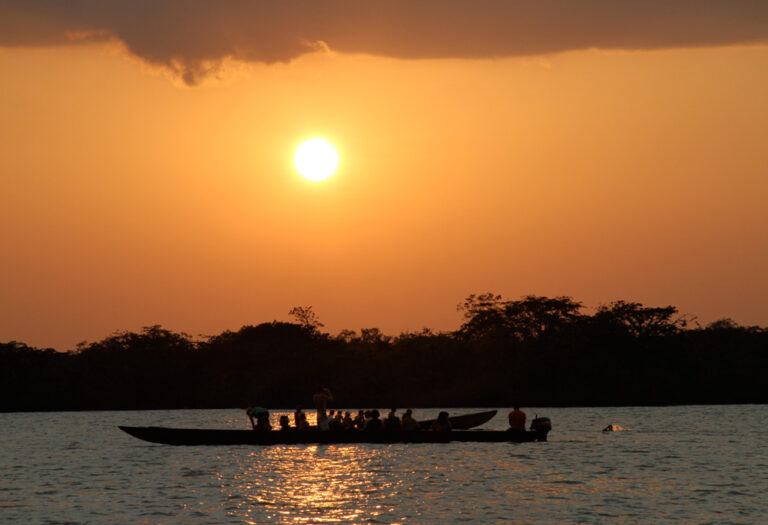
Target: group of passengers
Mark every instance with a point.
(364, 420)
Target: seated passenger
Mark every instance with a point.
(254, 413)
(285, 423)
(443, 424)
(374, 424)
(303, 424)
(392, 423)
(348, 423)
(297, 416)
(517, 420)
(336, 422)
(409, 424)
(262, 422)
(360, 420)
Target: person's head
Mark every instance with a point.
(392, 412)
(442, 417)
(375, 414)
(256, 411)
(284, 423)
(298, 408)
(263, 416)
(409, 412)
(302, 417)
(331, 412)
(516, 407)
(347, 414)
(361, 413)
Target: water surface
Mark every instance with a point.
(701, 464)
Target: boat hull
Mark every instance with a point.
(465, 421)
(199, 436)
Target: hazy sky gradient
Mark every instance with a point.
(129, 200)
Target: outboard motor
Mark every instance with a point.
(542, 426)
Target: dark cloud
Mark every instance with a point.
(192, 37)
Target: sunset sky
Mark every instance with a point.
(597, 149)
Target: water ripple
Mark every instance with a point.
(678, 464)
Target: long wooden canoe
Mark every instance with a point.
(464, 422)
(199, 436)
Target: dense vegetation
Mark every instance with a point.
(537, 351)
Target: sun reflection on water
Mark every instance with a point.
(312, 484)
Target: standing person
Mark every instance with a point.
(321, 398)
(297, 416)
(517, 419)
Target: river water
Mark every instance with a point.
(696, 464)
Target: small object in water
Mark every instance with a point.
(615, 428)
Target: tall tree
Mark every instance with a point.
(640, 321)
(306, 317)
(488, 315)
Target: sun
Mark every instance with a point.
(316, 159)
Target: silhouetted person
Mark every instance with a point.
(368, 415)
(321, 398)
(256, 414)
(374, 424)
(360, 420)
(348, 423)
(285, 423)
(517, 419)
(336, 422)
(297, 415)
(409, 424)
(392, 423)
(262, 422)
(443, 424)
(303, 424)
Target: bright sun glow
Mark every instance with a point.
(316, 159)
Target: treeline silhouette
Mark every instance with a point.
(536, 351)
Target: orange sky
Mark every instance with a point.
(130, 199)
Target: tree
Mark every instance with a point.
(346, 335)
(723, 324)
(640, 321)
(373, 336)
(306, 318)
(489, 316)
